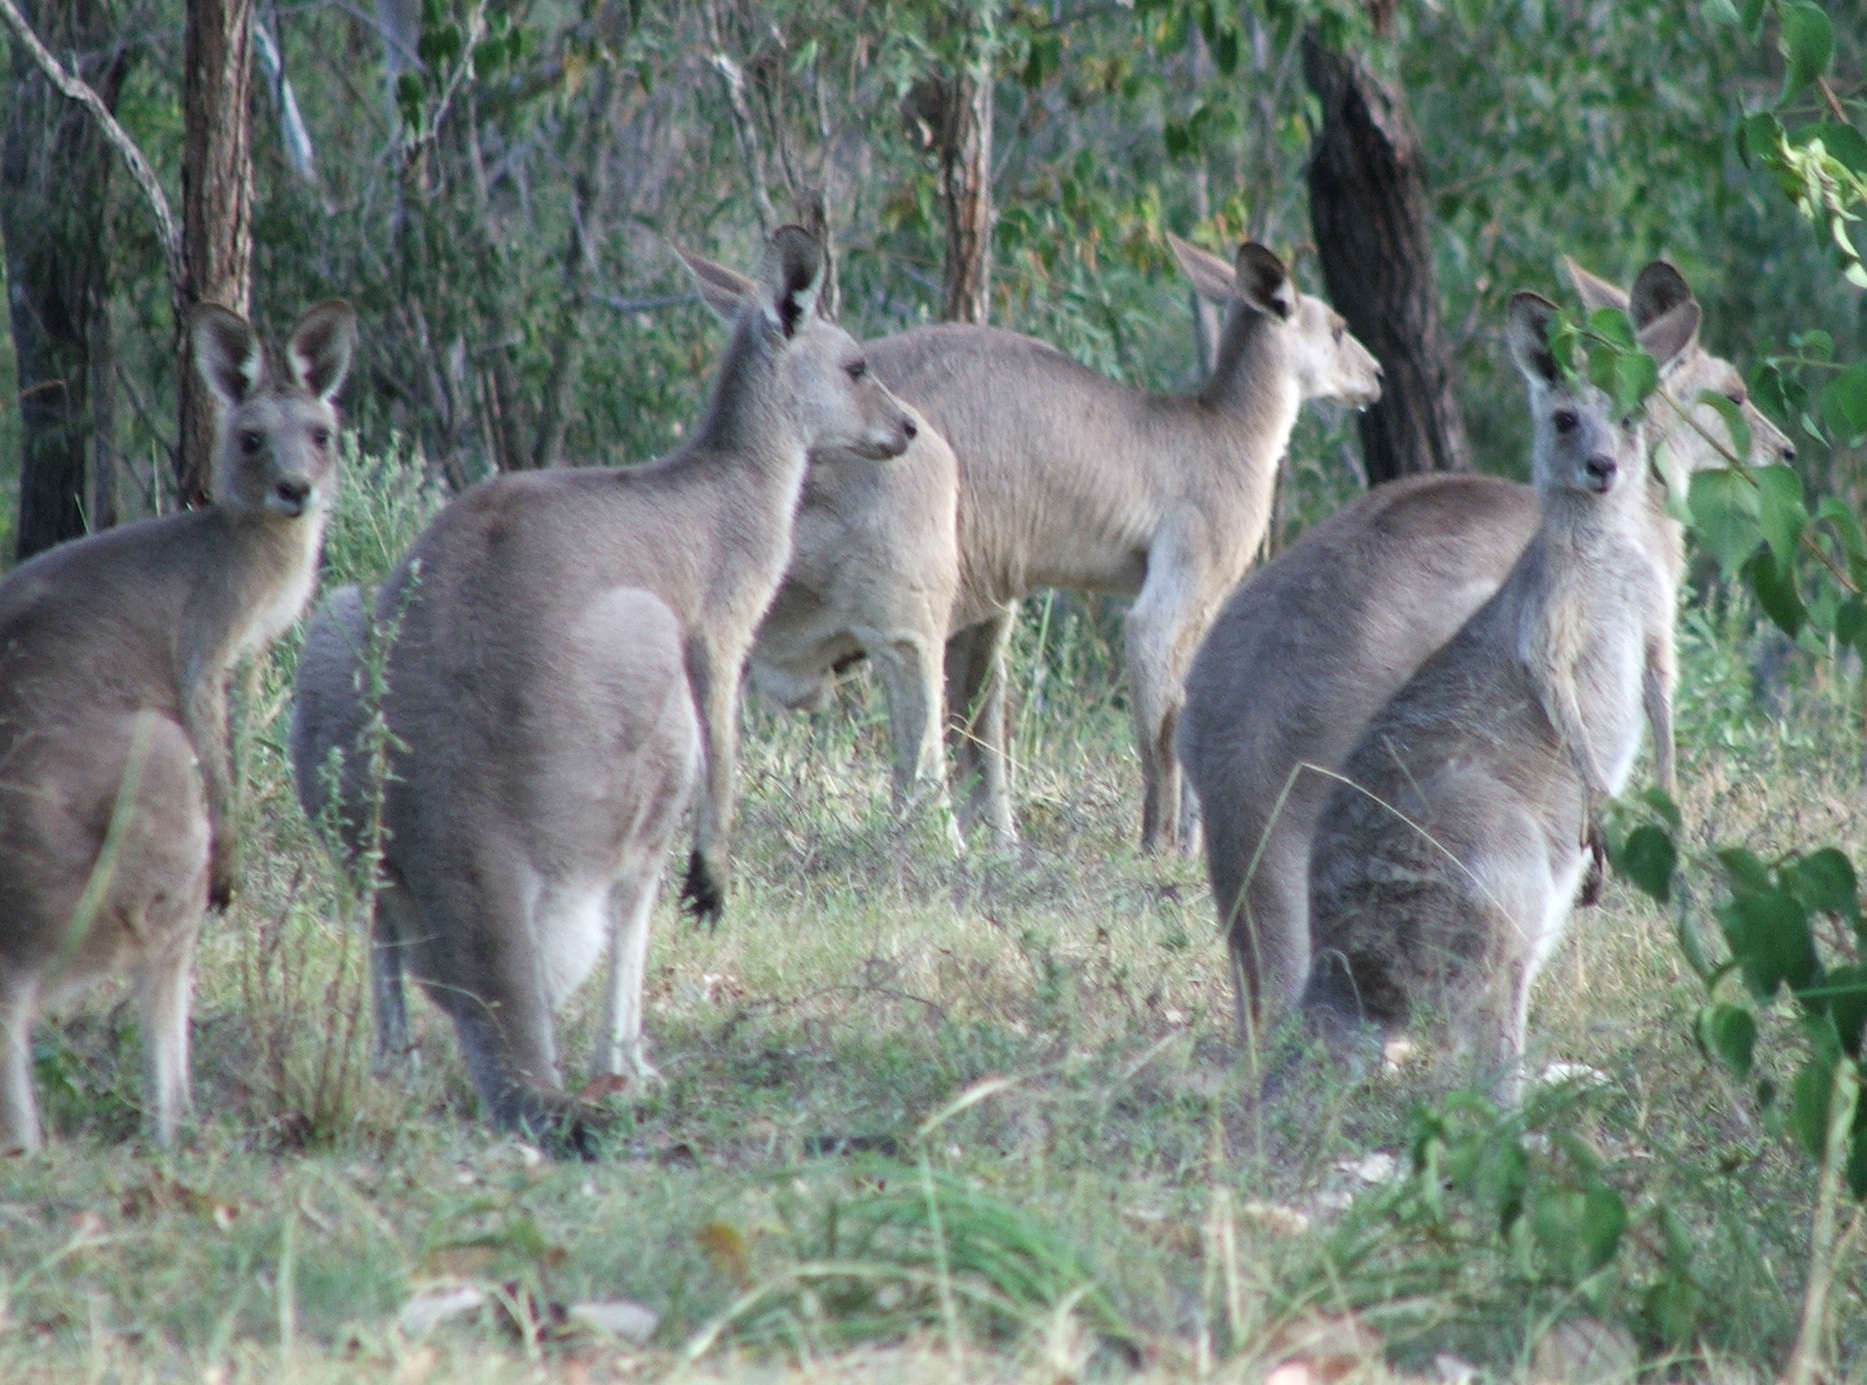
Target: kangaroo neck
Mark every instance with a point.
(1249, 379)
(747, 415)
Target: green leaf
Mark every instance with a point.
(1729, 1033)
(1774, 582)
(1604, 1219)
(1808, 1112)
(1814, 343)
(1724, 509)
(1770, 940)
(1747, 874)
(1758, 136)
(1824, 880)
(1661, 803)
(1781, 512)
(1846, 989)
(1646, 858)
(1471, 14)
(1721, 12)
(1612, 325)
(1752, 16)
(1225, 51)
(1843, 142)
(1851, 624)
(1808, 42)
(1670, 1308)
(1844, 405)
(1736, 426)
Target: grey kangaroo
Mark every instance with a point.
(567, 653)
(116, 833)
(1056, 477)
(1445, 864)
(1308, 647)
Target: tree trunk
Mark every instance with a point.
(1368, 207)
(217, 205)
(54, 174)
(965, 143)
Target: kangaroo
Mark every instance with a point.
(116, 832)
(1312, 644)
(1445, 864)
(562, 640)
(1066, 479)
(874, 573)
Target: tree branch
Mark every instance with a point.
(77, 89)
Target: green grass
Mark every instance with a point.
(925, 1118)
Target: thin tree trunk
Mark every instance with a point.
(589, 205)
(54, 174)
(217, 204)
(965, 144)
(1368, 208)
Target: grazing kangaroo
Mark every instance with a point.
(1312, 644)
(1063, 479)
(567, 648)
(1444, 866)
(115, 788)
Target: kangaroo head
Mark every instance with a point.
(1681, 423)
(275, 446)
(823, 376)
(1322, 355)
(1580, 442)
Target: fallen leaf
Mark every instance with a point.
(726, 1251)
(617, 1317)
(1584, 1350)
(1276, 1218)
(437, 1304)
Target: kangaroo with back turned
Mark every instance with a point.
(566, 655)
(116, 827)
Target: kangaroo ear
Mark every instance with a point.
(319, 351)
(1668, 337)
(227, 353)
(1660, 291)
(1213, 279)
(725, 291)
(1264, 283)
(1526, 332)
(1596, 292)
(792, 274)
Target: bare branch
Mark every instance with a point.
(77, 89)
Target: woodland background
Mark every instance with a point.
(495, 187)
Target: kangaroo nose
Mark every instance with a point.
(1600, 470)
(908, 430)
(1789, 452)
(294, 491)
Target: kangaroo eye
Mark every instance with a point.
(1737, 397)
(857, 369)
(251, 442)
(320, 438)
(1565, 420)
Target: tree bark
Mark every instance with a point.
(217, 205)
(1368, 207)
(965, 144)
(54, 174)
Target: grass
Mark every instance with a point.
(925, 1118)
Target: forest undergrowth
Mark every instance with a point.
(931, 1118)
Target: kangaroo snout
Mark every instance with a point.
(291, 496)
(1601, 473)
